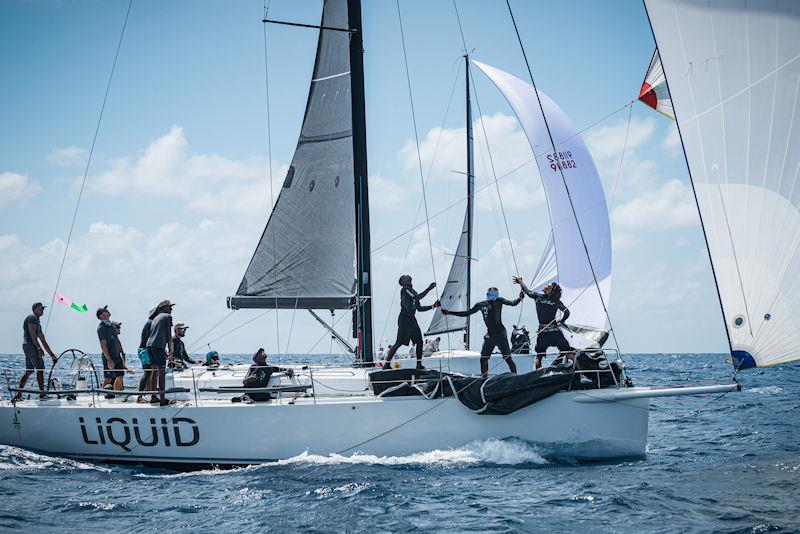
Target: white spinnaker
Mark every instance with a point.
(571, 268)
(733, 69)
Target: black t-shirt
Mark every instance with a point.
(145, 334)
(492, 311)
(26, 334)
(108, 332)
(179, 350)
(409, 301)
(546, 309)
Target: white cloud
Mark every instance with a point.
(68, 157)
(671, 206)
(210, 183)
(508, 147)
(14, 186)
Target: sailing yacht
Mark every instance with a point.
(736, 119)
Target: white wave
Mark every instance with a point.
(491, 451)
(770, 390)
(13, 458)
(203, 472)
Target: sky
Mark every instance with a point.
(178, 189)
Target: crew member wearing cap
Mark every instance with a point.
(179, 355)
(32, 342)
(111, 348)
(159, 347)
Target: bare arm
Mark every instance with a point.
(45, 345)
(104, 349)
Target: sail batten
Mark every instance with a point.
(306, 256)
(734, 79)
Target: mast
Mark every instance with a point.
(363, 260)
(470, 200)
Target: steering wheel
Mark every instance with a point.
(76, 354)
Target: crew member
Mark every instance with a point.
(32, 342)
(179, 356)
(496, 334)
(258, 376)
(159, 347)
(408, 329)
(110, 349)
(549, 334)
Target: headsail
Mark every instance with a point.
(306, 256)
(654, 90)
(565, 259)
(733, 70)
(454, 295)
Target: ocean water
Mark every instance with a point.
(714, 464)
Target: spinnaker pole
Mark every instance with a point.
(470, 200)
(363, 262)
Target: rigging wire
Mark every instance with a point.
(269, 155)
(198, 341)
(88, 163)
(416, 143)
(419, 206)
(491, 159)
(563, 178)
(232, 330)
(502, 176)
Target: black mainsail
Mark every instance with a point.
(315, 252)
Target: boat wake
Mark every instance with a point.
(13, 458)
(490, 451)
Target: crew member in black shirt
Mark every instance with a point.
(496, 334)
(33, 346)
(549, 333)
(407, 327)
(179, 355)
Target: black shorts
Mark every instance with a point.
(117, 372)
(158, 357)
(33, 358)
(554, 338)
(408, 330)
(499, 340)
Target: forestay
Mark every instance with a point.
(454, 295)
(733, 69)
(565, 259)
(306, 255)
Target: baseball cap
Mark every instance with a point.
(38, 305)
(101, 310)
(180, 326)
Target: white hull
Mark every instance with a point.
(219, 432)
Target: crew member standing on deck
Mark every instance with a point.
(548, 304)
(159, 347)
(407, 327)
(110, 348)
(496, 334)
(32, 342)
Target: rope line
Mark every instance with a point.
(88, 164)
(269, 157)
(416, 143)
(502, 176)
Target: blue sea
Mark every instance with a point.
(715, 464)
